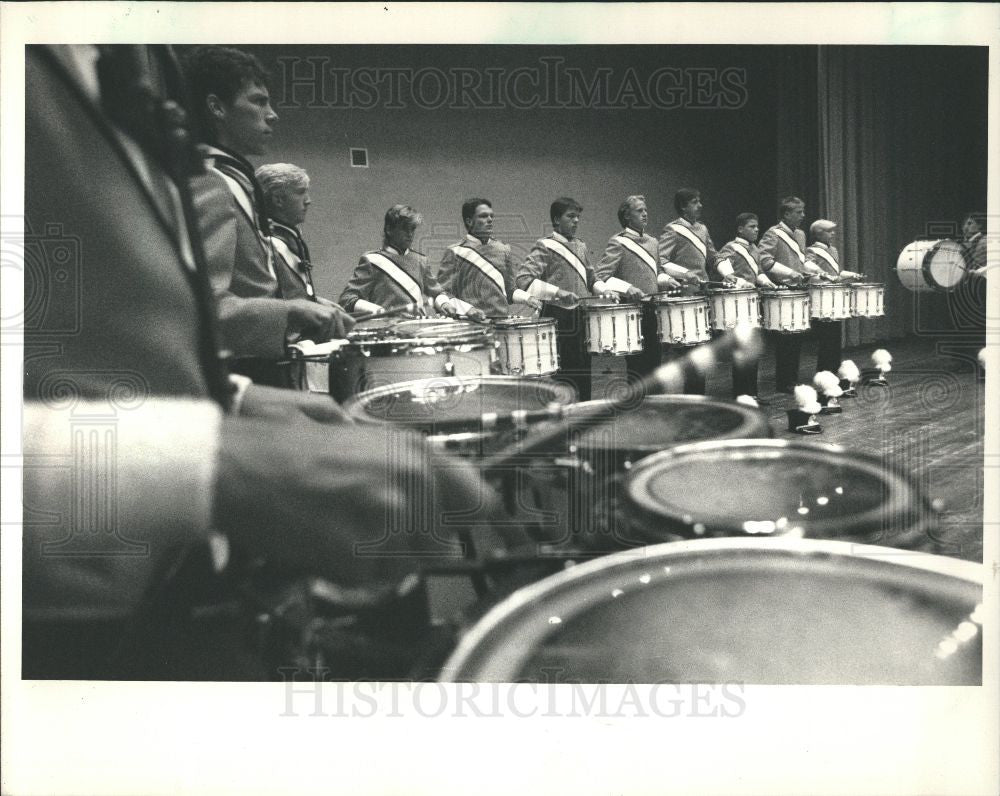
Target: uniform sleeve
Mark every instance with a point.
(534, 267)
(217, 222)
(449, 273)
(156, 487)
(589, 271)
(725, 253)
(510, 274)
(432, 287)
(359, 286)
(667, 244)
(608, 266)
(711, 255)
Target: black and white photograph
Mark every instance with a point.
(586, 397)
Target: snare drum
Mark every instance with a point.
(612, 328)
(526, 346)
(682, 320)
(759, 611)
(409, 350)
(732, 307)
(929, 265)
(460, 403)
(867, 300)
(775, 488)
(785, 310)
(830, 302)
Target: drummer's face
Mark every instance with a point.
(401, 238)
(567, 223)
(638, 216)
(826, 236)
(970, 227)
(482, 222)
(692, 209)
(794, 216)
(750, 230)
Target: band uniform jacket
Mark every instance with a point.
(121, 321)
(621, 260)
(676, 247)
(736, 251)
(481, 274)
(372, 283)
(815, 255)
(773, 242)
(293, 265)
(545, 264)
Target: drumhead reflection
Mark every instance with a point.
(756, 611)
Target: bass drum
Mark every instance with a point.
(759, 611)
(775, 488)
(932, 265)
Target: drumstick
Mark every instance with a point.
(744, 339)
(406, 309)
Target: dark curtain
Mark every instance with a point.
(902, 155)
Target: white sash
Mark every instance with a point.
(637, 250)
(826, 256)
(475, 259)
(790, 242)
(291, 259)
(693, 239)
(747, 256)
(555, 246)
(240, 195)
(397, 275)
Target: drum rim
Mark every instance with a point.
(894, 506)
(464, 331)
(668, 400)
(486, 637)
(796, 293)
(727, 291)
(521, 322)
(597, 302)
(355, 405)
(659, 298)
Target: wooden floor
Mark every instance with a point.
(929, 422)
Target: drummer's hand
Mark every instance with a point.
(339, 502)
(279, 404)
(850, 275)
(447, 307)
(317, 322)
(634, 293)
(764, 281)
(609, 295)
(740, 284)
(565, 298)
(535, 304)
(667, 282)
(475, 314)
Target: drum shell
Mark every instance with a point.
(682, 320)
(867, 300)
(732, 307)
(926, 266)
(613, 328)
(759, 611)
(526, 346)
(876, 504)
(785, 311)
(830, 302)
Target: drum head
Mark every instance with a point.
(423, 404)
(759, 611)
(775, 488)
(518, 322)
(944, 264)
(440, 330)
(372, 329)
(662, 421)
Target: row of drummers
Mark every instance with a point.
(670, 292)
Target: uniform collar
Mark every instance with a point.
(282, 225)
(474, 241)
(744, 241)
(685, 222)
(559, 237)
(787, 228)
(820, 245)
(628, 232)
(393, 250)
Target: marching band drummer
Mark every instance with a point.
(785, 244)
(396, 275)
(742, 262)
(557, 271)
(480, 269)
(686, 253)
(631, 266)
(823, 255)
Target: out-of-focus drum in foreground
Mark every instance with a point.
(775, 488)
(932, 265)
(526, 346)
(682, 320)
(407, 350)
(612, 328)
(867, 300)
(461, 404)
(759, 611)
(830, 302)
(785, 310)
(733, 307)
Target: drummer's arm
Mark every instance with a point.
(516, 295)
(358, 293)
(531, 275)
(596, 285)
(448, 274)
